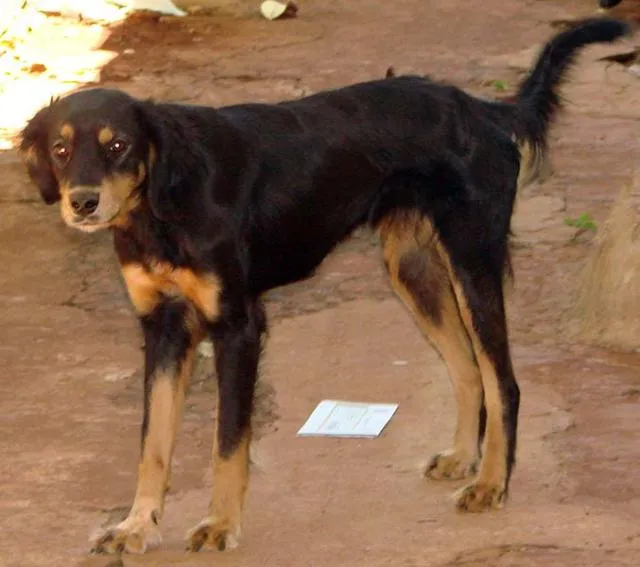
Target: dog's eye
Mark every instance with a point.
(61, 152)
(117, 147)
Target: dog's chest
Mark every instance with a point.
(149, 284)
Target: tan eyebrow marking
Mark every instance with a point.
(67, 132)
(105, 135)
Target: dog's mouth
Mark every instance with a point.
(92, 223)
(90, 226)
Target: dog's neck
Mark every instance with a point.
(147, 238)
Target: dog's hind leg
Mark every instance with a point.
(476, 275)
(420, 277)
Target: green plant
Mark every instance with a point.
(499, 85)
(583, 223)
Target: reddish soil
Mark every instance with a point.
(70, 400)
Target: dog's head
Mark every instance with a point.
(90, 151)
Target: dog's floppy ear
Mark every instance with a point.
(35, 154)
(171, 164)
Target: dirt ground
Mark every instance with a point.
(70, 395)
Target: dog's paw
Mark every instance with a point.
(134, 535)
(211, 532)
(480, 497)
(451, 465)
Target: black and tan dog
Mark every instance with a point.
(209, 208)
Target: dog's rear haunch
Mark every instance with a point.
(209, 208)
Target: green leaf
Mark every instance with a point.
(500, 85)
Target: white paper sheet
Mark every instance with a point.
(348, 419)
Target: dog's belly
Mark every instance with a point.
(286, 260)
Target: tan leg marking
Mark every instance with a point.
(445, 330)
(488, 490)
(222, 528)
(139, 531)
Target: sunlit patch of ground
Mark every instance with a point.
(44, 56)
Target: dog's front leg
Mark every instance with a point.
(169, 347)
(237, 344)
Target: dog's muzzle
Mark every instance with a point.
(84, 203)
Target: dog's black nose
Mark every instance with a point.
(85, 203)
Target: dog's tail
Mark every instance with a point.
(534, 107)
